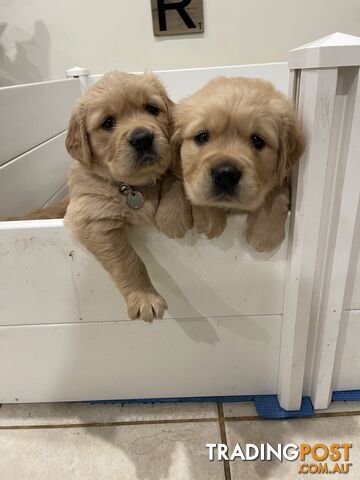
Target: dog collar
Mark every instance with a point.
(134, 198)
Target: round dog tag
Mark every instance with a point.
(135, 199)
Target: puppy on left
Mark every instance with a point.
(120, 135)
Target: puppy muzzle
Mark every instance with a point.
(225, 179)
(143, 144)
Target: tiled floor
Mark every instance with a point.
(159, 442)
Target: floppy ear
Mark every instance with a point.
(169, 104)
(292, 144)
(170, 107)
(77, 142)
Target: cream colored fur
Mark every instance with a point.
(231, 111)
(98, 215)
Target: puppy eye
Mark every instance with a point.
(108, 123)
(257, 142)
(202, 138)
(152, 109)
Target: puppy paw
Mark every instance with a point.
(172, 223)
(173, 215)
(146, 306)
(209, 220)
(264, 241)
(266, 226)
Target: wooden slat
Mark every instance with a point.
(31, 114)
(29, 181)
(344, 229)
(310, 205)
(197, 277)
(127, 360)
(180, 83)
(346, 374)
(354, 303)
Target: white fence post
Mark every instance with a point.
(82, 74)
(325, 87)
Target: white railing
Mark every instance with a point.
(325, 84)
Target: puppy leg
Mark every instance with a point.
(209, 220)
(266, 226)
(173, 216)
(110, 245)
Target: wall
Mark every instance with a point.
(40, 39)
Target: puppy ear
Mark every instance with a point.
(169, 104)
(77, 142)
(170, 107)
(176, 140)
(292, 145)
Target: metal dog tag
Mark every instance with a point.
(135, 199)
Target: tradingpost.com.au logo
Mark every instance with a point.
(316, 458)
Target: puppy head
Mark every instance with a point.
(238, 138)
(121, 128)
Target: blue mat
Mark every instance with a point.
(346, 396)
(267, 406)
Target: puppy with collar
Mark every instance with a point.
(120, 135)
(239, 138)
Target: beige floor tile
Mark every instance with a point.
(134, 452)
(241, 409)
(74, 413)
(340, 407)
(311, 431)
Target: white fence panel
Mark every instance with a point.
(132, 359)
(347, 364)
(180, 83)
(354, 303)
(40, 265)
(31, 114)
(29, 181)
(324, 238)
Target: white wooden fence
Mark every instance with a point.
(239, 322)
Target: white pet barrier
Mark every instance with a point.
(239, 322)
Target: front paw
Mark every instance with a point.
(146, 306)
(210, 221)
(174, 224)
(266, 227)
(264, 240)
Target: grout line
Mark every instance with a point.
(337, 414)
(316, 415)
(221, 419)
(244, 419)
(222, 426)
(107, 424)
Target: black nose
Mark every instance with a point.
(225, 177)
(141, 140)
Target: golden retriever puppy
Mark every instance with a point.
(239, 139)
(120, 136)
